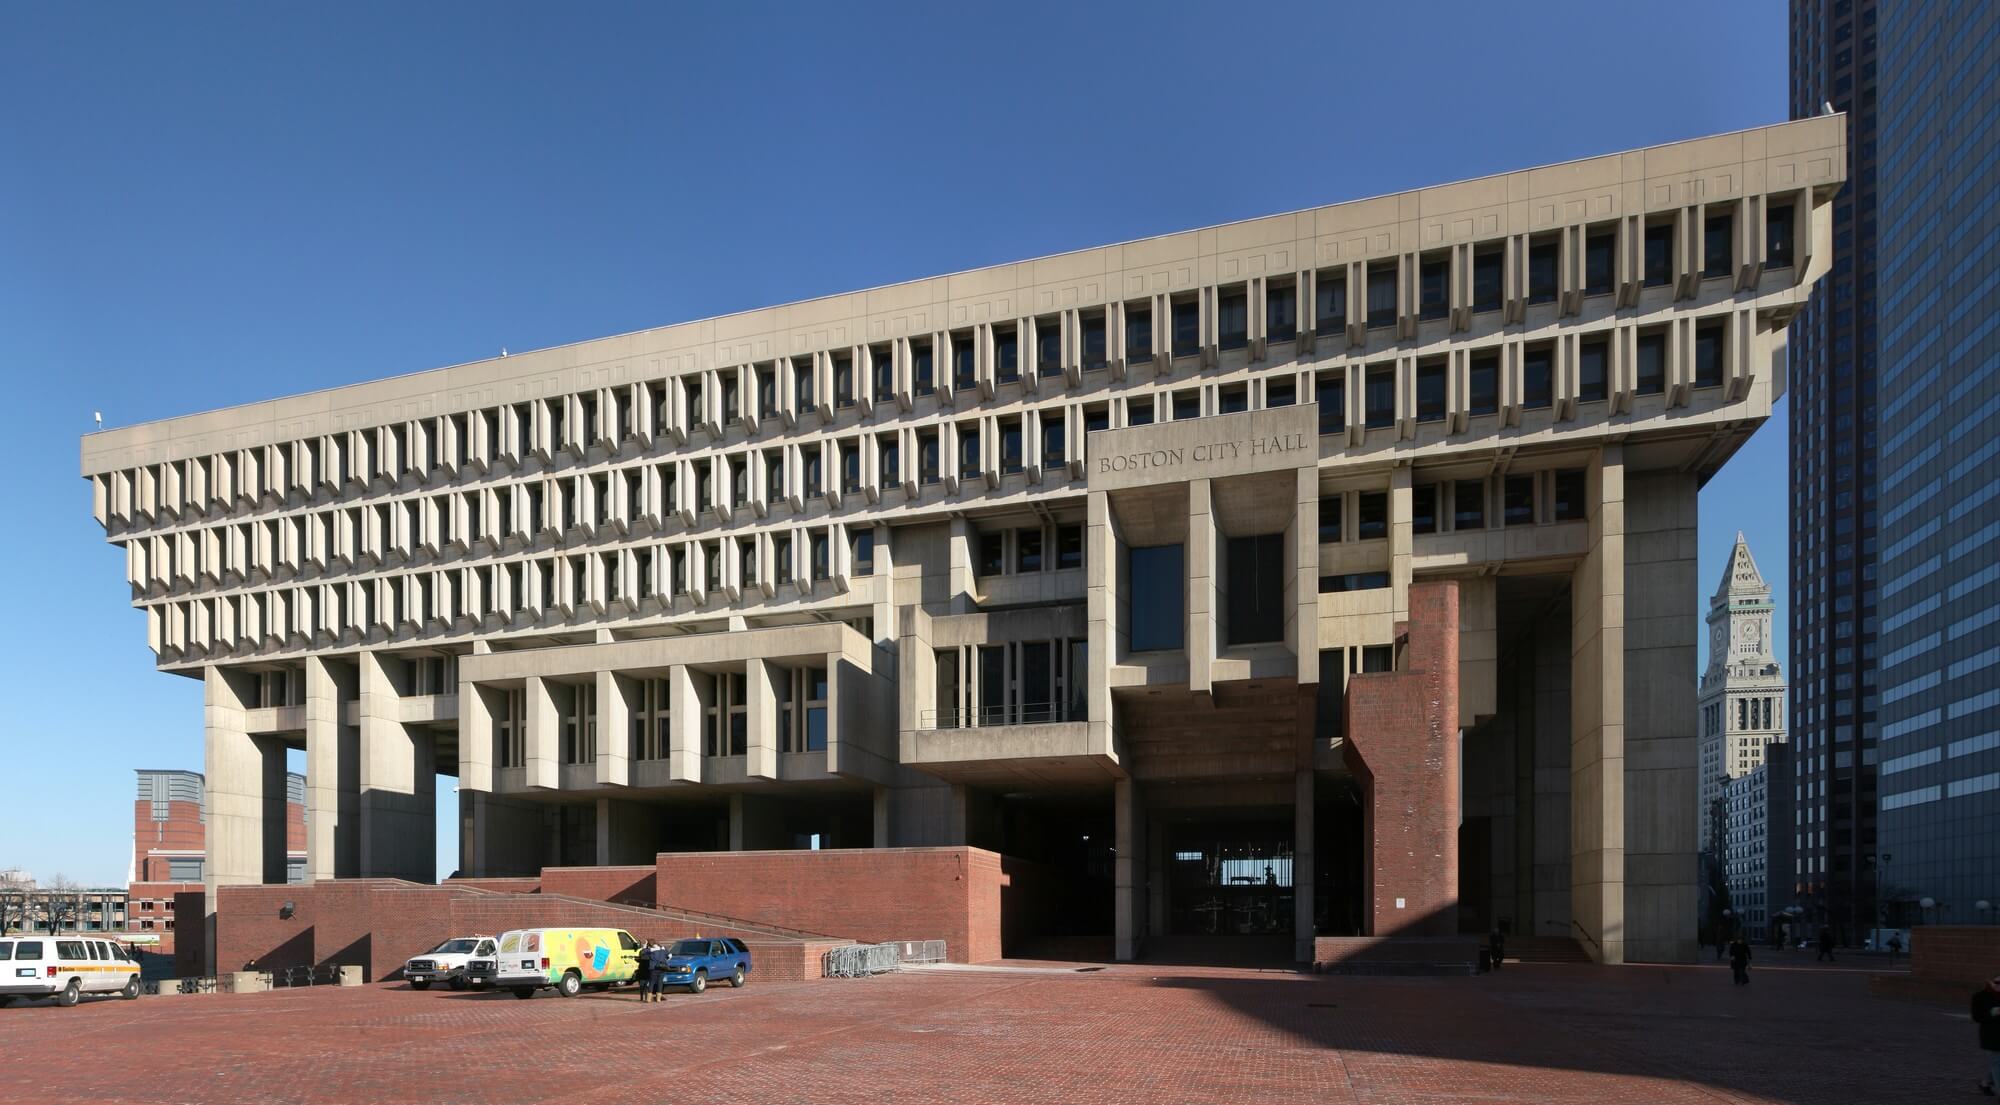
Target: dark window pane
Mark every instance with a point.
(1233, 399)
(1434, 288)
(1488, 279)
(1381, 295)
(1186, 321)
(1518, 509)
(1010, 446)
(1373, 519)
(885, 373)
(1778, 237)
(1037, 682)
(1329, 519)
(1256, 580)
(968, 453)
(1187, 404)
(1484, 383)
(1138, 334)
(1468, 502)
(1380, 397)
(1006, 357)
(1717, 234)
(1659, 255)
(1069, 546)
(1330, 304)
(964, 374)
(1600, 268)
(1139, 412)
(1332, 404)
(1281, 313)
(1570, 486)
(1423, 508)
(1430, 392)
(1096, 348)
(1232, 321)
(1708, 351)
(1354, 581)
(1281, 393)
(992, 553)
(1537, 378)
(923, 372)
(1028, 550)
(1048, 346)
(1652, 364)
(1543, 272)
(1158, 598)
(1053, 442)
(1593, 357)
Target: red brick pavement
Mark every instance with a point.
(1532, 1033)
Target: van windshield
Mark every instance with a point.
(455, 947)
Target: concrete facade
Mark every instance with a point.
(1076, 559)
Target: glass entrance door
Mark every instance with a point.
(1227, 878)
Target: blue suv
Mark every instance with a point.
(696, 963)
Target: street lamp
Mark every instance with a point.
(1926, 904)
(1983, 907)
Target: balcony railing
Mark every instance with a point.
(1017, 713)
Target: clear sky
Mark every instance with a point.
(203, 205)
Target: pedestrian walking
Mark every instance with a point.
(1825, 945)
(1895, 945)
(1497, 944)
(1986, 1014)
(1739, 961)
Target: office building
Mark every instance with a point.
(1744, 851)
(170, 846)
(1939, 738)
(1178, 567)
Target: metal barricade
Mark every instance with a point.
(862, 960)
(922, 951)
(195, 985)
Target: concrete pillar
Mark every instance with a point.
(245, 780)
(689, 698)
(1661, 757)
(624, 832)
(881, 835)
(760, 718)
(476, 706)
(1401, 540)
(397, 779)
(1302, 627)
(1304, 866)
(964, 578)
(1106, 605)
(754, 824)
(1129, 867)
(333, 755)
(1204, 591)
(614, 728)
(1597, 717)
(543, 735)
(1156, 876)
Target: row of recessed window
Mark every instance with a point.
(679, 404)
(1457, 505)
(800, 695)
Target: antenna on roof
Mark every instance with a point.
(503, 351)
(99, 415)
(1826, 107)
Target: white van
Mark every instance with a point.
(65, 966)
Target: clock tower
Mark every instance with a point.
(1743, 689)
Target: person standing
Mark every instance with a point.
(1895, 945)
(1825, 945)
(1497, 943)
(645, 973)
(1739, 961)
(1986, 1014)
(658, 956)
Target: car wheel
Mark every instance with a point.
(458, 984)
(524, 992)
(736, 980)
(131, 990)
(700, 982)
(570, 986)
(425, 985)
(71, 994)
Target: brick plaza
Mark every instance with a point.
(1540, 1033)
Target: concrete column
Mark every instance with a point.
(614, 728)
(1156, 876)
(1304, 866)
(398, 780)
(964, 580)
(974, 817)
(476, 705)
(1204, 593)
(1597, 717)
(881, 835)
(1661, 756)
(1401, 538)
(689, 697)
(755, 824)
(245, 777)
(543, 736)
(1129, 879)
(333, 755)
(1106, 605)
(760, 718)
(1302, 629)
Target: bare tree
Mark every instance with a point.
(62, 903)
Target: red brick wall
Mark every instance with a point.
(1402, 744)
(377, 924)
(606, 884)
(182, 831)
(1967, 955)
(523, 885)
(873, 895)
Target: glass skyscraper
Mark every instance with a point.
(1939, 317)
(1834, 550)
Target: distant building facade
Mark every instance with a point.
(170, 840)
(1742, 692)
(1746, 820)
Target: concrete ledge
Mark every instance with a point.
(350, 975)
(1395, 955)
(243, 982)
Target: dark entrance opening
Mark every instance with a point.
(1069, 841)
(1229, 877)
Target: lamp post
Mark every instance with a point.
(1984, 908)
(1728, 926)
(1925, 904)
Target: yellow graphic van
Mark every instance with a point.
(566, 959)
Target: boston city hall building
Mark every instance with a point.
(1324, 575)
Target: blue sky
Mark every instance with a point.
(204, 205)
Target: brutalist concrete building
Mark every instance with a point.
(1324, 574)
